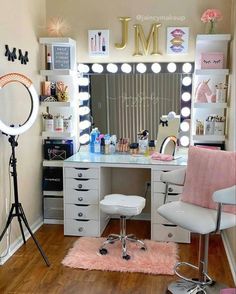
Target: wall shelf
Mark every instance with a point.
(208, 72)
(53, 163)
(53, 193)
(213, 37)
(59, 135)
(58, 72)
(56, 104)
(208, 138)
(57, 41)
(210, 105)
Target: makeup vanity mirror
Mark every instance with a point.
(125, 103)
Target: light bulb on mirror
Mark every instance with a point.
(171, 67)
(141, 67)
(126, 68)
(156, 68)
(186, 96)
(187, 81)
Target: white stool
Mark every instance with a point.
(124, 206)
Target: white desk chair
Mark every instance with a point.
(198, 219)
(124, 206)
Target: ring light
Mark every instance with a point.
(16, 77)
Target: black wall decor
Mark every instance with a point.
(11, 56)
(23, 58)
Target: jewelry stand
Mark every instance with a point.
(16, 208)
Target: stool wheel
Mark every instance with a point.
(103, 251)
(126, 257)
(143, 248)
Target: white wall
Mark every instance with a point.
(82, 15)
(21, 23)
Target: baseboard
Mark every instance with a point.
(230, 256)
(19, 242)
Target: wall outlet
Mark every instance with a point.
(147, 184)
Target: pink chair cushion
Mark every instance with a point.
(228, 291)
(208, 171)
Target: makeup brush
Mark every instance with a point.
(99, 41)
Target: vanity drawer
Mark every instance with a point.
(53, 207)
(81, 211)
(87, 173)
(160, 187)
(77, 227)
(75, 196)
(90, 184)
(170, 233)
(157, 201)
(157, 175)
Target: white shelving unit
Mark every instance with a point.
(210, 105)
(200, 111)
(53, 200)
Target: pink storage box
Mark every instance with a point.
(212, 60)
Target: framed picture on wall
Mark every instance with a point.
(177, 40)
(98, 43)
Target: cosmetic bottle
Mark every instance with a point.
(49, 61)
(93, 135)
(151, 147)
(133, 148)
(102, 146)
(112, 146)
(107, 143)
(97, 147)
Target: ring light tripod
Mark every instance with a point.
(16, 208)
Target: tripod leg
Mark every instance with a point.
(9, 219)
(21, 228)
(32, 235)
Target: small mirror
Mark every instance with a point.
(168, 133)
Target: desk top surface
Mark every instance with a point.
(123, 159)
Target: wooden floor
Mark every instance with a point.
(26, 272)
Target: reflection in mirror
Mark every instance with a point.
(124, 104)
(12, 98)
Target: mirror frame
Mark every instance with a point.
(87, 69)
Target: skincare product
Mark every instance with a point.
(97, 147)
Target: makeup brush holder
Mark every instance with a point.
(209, 127)
(221, 95)
(219, 128)
(48, 125)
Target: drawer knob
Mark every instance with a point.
(80, 186)
(80, 214)
(80, 198)
(80, 175)
(170, 235)
(170, 190)
(80, 229)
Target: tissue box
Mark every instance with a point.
(212, 60)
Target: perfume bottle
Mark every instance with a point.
(49, 61)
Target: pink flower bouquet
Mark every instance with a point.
(211, 15)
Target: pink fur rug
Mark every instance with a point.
(159, 258)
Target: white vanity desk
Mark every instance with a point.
(87, 179)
